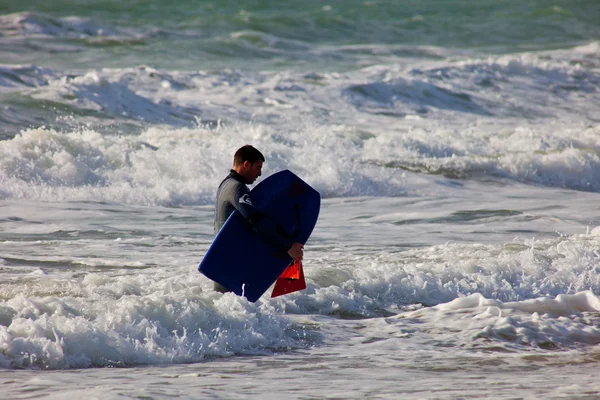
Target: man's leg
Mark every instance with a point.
(220, 288)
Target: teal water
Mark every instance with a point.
(201, 35)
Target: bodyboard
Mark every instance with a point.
(242, 261)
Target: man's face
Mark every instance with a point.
(251, 171)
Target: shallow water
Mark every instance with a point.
(442, 314)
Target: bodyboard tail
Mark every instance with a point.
(291, 280)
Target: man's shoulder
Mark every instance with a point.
(231, 186)
(231, 182)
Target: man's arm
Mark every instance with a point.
(265, 227)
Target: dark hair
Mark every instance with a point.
(247, 153)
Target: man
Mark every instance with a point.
(233, 194)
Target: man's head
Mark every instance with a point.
(248, 162)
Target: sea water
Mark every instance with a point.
(456, 145)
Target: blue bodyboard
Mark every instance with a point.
(239, 258)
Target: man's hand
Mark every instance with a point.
(296, 251)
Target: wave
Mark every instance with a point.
(523, 295)
(122, 327)
(528, 118)
(416, 96)
(540, 325)
(172, 167)
(37, 25)
(530, 86)
(573, 166)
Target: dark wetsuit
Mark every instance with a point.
(233, 194)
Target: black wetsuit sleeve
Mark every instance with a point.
(264, 226)
(233, 194)
(243, 203)
(267, 229)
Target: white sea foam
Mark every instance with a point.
(358, 133)
(510, 272)
(165, 166)
(133, 320)
(112, 291)
(567, 321)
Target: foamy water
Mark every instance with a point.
(99, 284)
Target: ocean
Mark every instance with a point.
(456, 147)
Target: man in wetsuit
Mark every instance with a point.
(233, 194)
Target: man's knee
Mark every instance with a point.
(220, 288)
